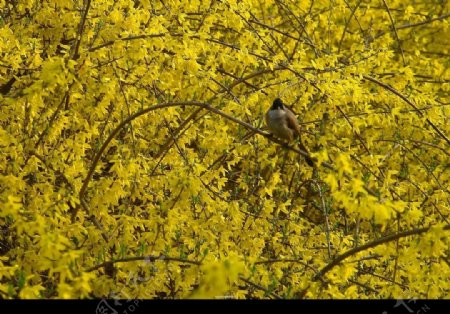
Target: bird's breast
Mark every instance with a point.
(277, 124)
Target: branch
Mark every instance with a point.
(297, 261)
(439, 18)
(52, 119)
(347, 23)
(325, 213)
(5, 88)
(395, 31)
(81, 29)
(193, 115)
(369, 245)
(276, 296)
(109, 43)
(176, 104)
(417, 110)
(353, 129)
(148, 258)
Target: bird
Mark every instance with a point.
(283, 124)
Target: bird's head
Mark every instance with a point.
(277, 104)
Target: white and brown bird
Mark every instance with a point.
(283, 124)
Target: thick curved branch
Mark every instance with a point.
(177, 104)
(193, 116)
(369, 245)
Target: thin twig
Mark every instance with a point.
(259, 287)
(395, 31)
(347, 23)
(129, 38)
(353, 129)
(405, 26)
(325, 213)
(148, 258)
(363, 286)
(52, 119)
(417, 110)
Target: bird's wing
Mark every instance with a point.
(292, 122)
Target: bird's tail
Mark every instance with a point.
(308, 159)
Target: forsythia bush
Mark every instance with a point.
(135, 162)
